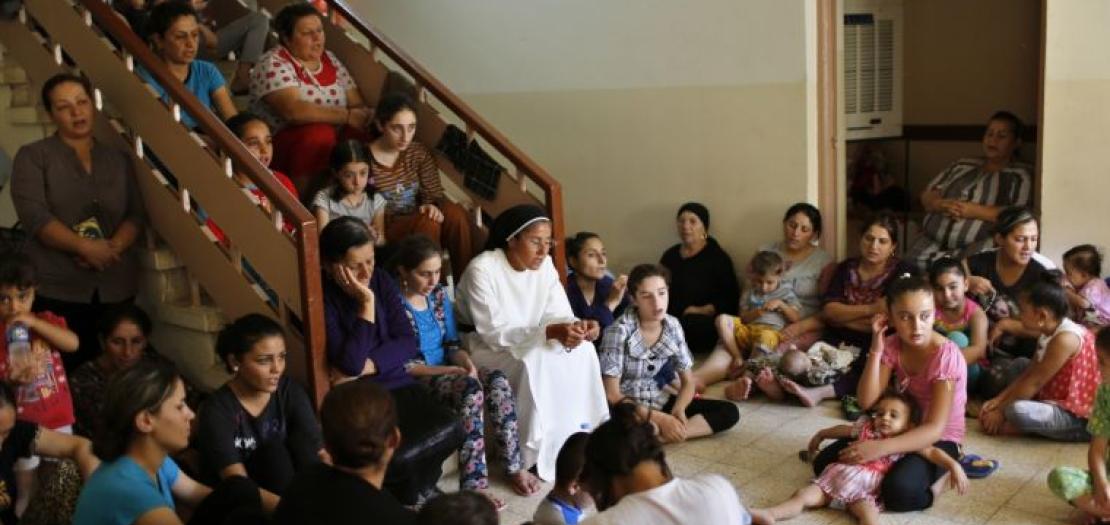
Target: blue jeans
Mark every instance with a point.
(1047, 420)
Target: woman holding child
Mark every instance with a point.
(641, 342)
(524, 327)
(804, 265)
(930, 369)
(703, 280)
(853, 297)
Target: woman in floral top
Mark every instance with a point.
(853, 297)
(638, 344)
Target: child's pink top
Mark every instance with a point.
(948, 364)
(46, 400)
(963, 324)
(1098, 294)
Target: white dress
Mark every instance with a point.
(557, 392)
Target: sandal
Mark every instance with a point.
(978, 468)
(852, 411)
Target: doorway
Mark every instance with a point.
(961, 62)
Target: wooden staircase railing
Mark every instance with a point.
(88, 34)
(526, 181)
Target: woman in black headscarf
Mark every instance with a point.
(524, 326)
(703, 280)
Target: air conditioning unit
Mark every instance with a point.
(872, 68)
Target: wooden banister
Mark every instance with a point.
(428, 84)
(307, 292)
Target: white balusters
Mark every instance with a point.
(186, 204)
(229, 168)
(99, 99)
(58, 54)
(176, 113)
(278, 221)
(138, 146)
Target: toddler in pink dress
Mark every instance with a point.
(855, 486)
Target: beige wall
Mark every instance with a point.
(1076, 116)
(636, 105)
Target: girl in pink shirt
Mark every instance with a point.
(930, 369)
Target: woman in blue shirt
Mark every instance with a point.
(592, 292)
(450, 373)
(145, 420)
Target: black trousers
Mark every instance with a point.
(908, 484)
(234, 500)
(721, 415)
(82, 319)
(701, 332)
(271, 466)
(430, 433)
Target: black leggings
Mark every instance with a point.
(430, 433)
(907, 486)
(701, 332)
(721, 415)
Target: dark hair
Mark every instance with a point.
(465, 507)
(117, 314)
(945, 265)
(571, 458)
(411, 252)
(143, 387)
(1016, 126)
(238, 123)
(344, 153)
(390, 105)
(341, 235)
(915, 409)
(163, 15)
(905, 284)
(810, 211)
(1011, 217)
(577, 243)
(286, 21)
(615, 449)
(59, 79)
(643, 271)
(1102, 339)
(886, 221)
(239, 337)
(16, 269)
(1086, 259)
(1049, 294)
(357, 418)
(767, 263)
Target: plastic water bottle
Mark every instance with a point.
(19, 345)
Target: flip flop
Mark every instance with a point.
(976, 467)
(852, 411)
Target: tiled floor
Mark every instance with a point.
(760, 457)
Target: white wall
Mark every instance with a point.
(637, 105)
(1076, 116)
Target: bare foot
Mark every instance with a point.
(769, 385)
(762, 517)
(739, 390)
(805, 395)
(525, 483)
(497, 503)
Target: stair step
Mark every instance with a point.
(12, 74)
(160, 259)
(203, 318)
(28, 116)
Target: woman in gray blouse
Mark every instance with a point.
(78, 200)
(807, 270)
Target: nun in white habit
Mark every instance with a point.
(524, 326)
